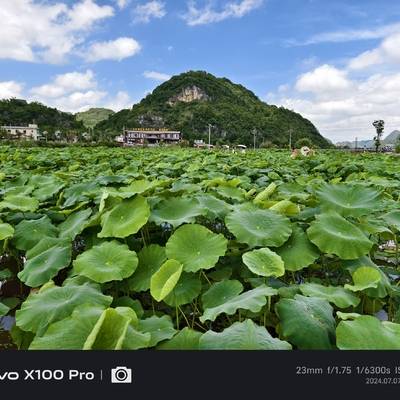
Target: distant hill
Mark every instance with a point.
(20, 112)
(392, 137)
(191, 101)
(93, 116)
(389, 139)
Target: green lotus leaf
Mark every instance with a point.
(19, 203)
(6, 231)
(221, 292)
(125, 219)
(47, 186)
(383, 287)
(109, 332)
(5, 274)
(74, 224)
(70, 333)
(128, 302)
(137, 187)
(3, 309)
(150, 260)
(41, 309)
(176, 211)
(307, 322)
(364, 278)
(231, 193)
(165, 279)
(368, 333)
(92, 327)
(242, 336)
(252, 300)
(29, 232)
(186, 339)
(45, 260)
(196, 247)
(393, 219)
(285, 207)
(213, 207)
(266, 193)
(346, 316)
(333, 234)
(264, 262)
(109, 261)
(348, 199)
(160, 328)
(185, 291)
(337, 295)
(298, 252)
(259, 227)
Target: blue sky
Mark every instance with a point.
(336, 62)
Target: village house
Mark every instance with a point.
(148, 136)
(26, 132)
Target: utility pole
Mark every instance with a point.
(254, 133)
(356, 144)
(290, 139)
(209, 135)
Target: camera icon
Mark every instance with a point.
(121, 375)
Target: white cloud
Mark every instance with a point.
(122, 3)
(76, 91)
(156, 76)
(351, 35)
(208, 14)
(323, 80)
(118, 49)
(387, 52)
(10, 89)
(43, 31)
(66, 83)
(150, 10)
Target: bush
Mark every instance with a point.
(303, 142)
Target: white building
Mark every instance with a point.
(27, 132)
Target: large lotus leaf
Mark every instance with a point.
(160, 328)
(176, 211)
(109, 261)
(367, 333)
(47, 186)
(165, 279)
(337, 295)
(221, 292)
(6, 231)
(364, 278)
(333, 234)
(41, 309)
(231, 193)
(150, 260)
(70, 333)
(125, 219)
(252, 300)
(298, 252)
(393, 219)
(79, 192)
(19, 203)
(45, 260)
(196, 247)
(259, 227)
(384, 286)
(349, 200)
(264, 262)
(29, 232)
(74, 224)
(185, 291)
(137, 187)
(186, 339)
(285, 207)
(109, 331)
(307, 322)
(214, 208)
(242, 336)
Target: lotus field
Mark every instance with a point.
(183, 249)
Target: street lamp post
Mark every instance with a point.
(254, 133)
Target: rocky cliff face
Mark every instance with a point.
(188, 95)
